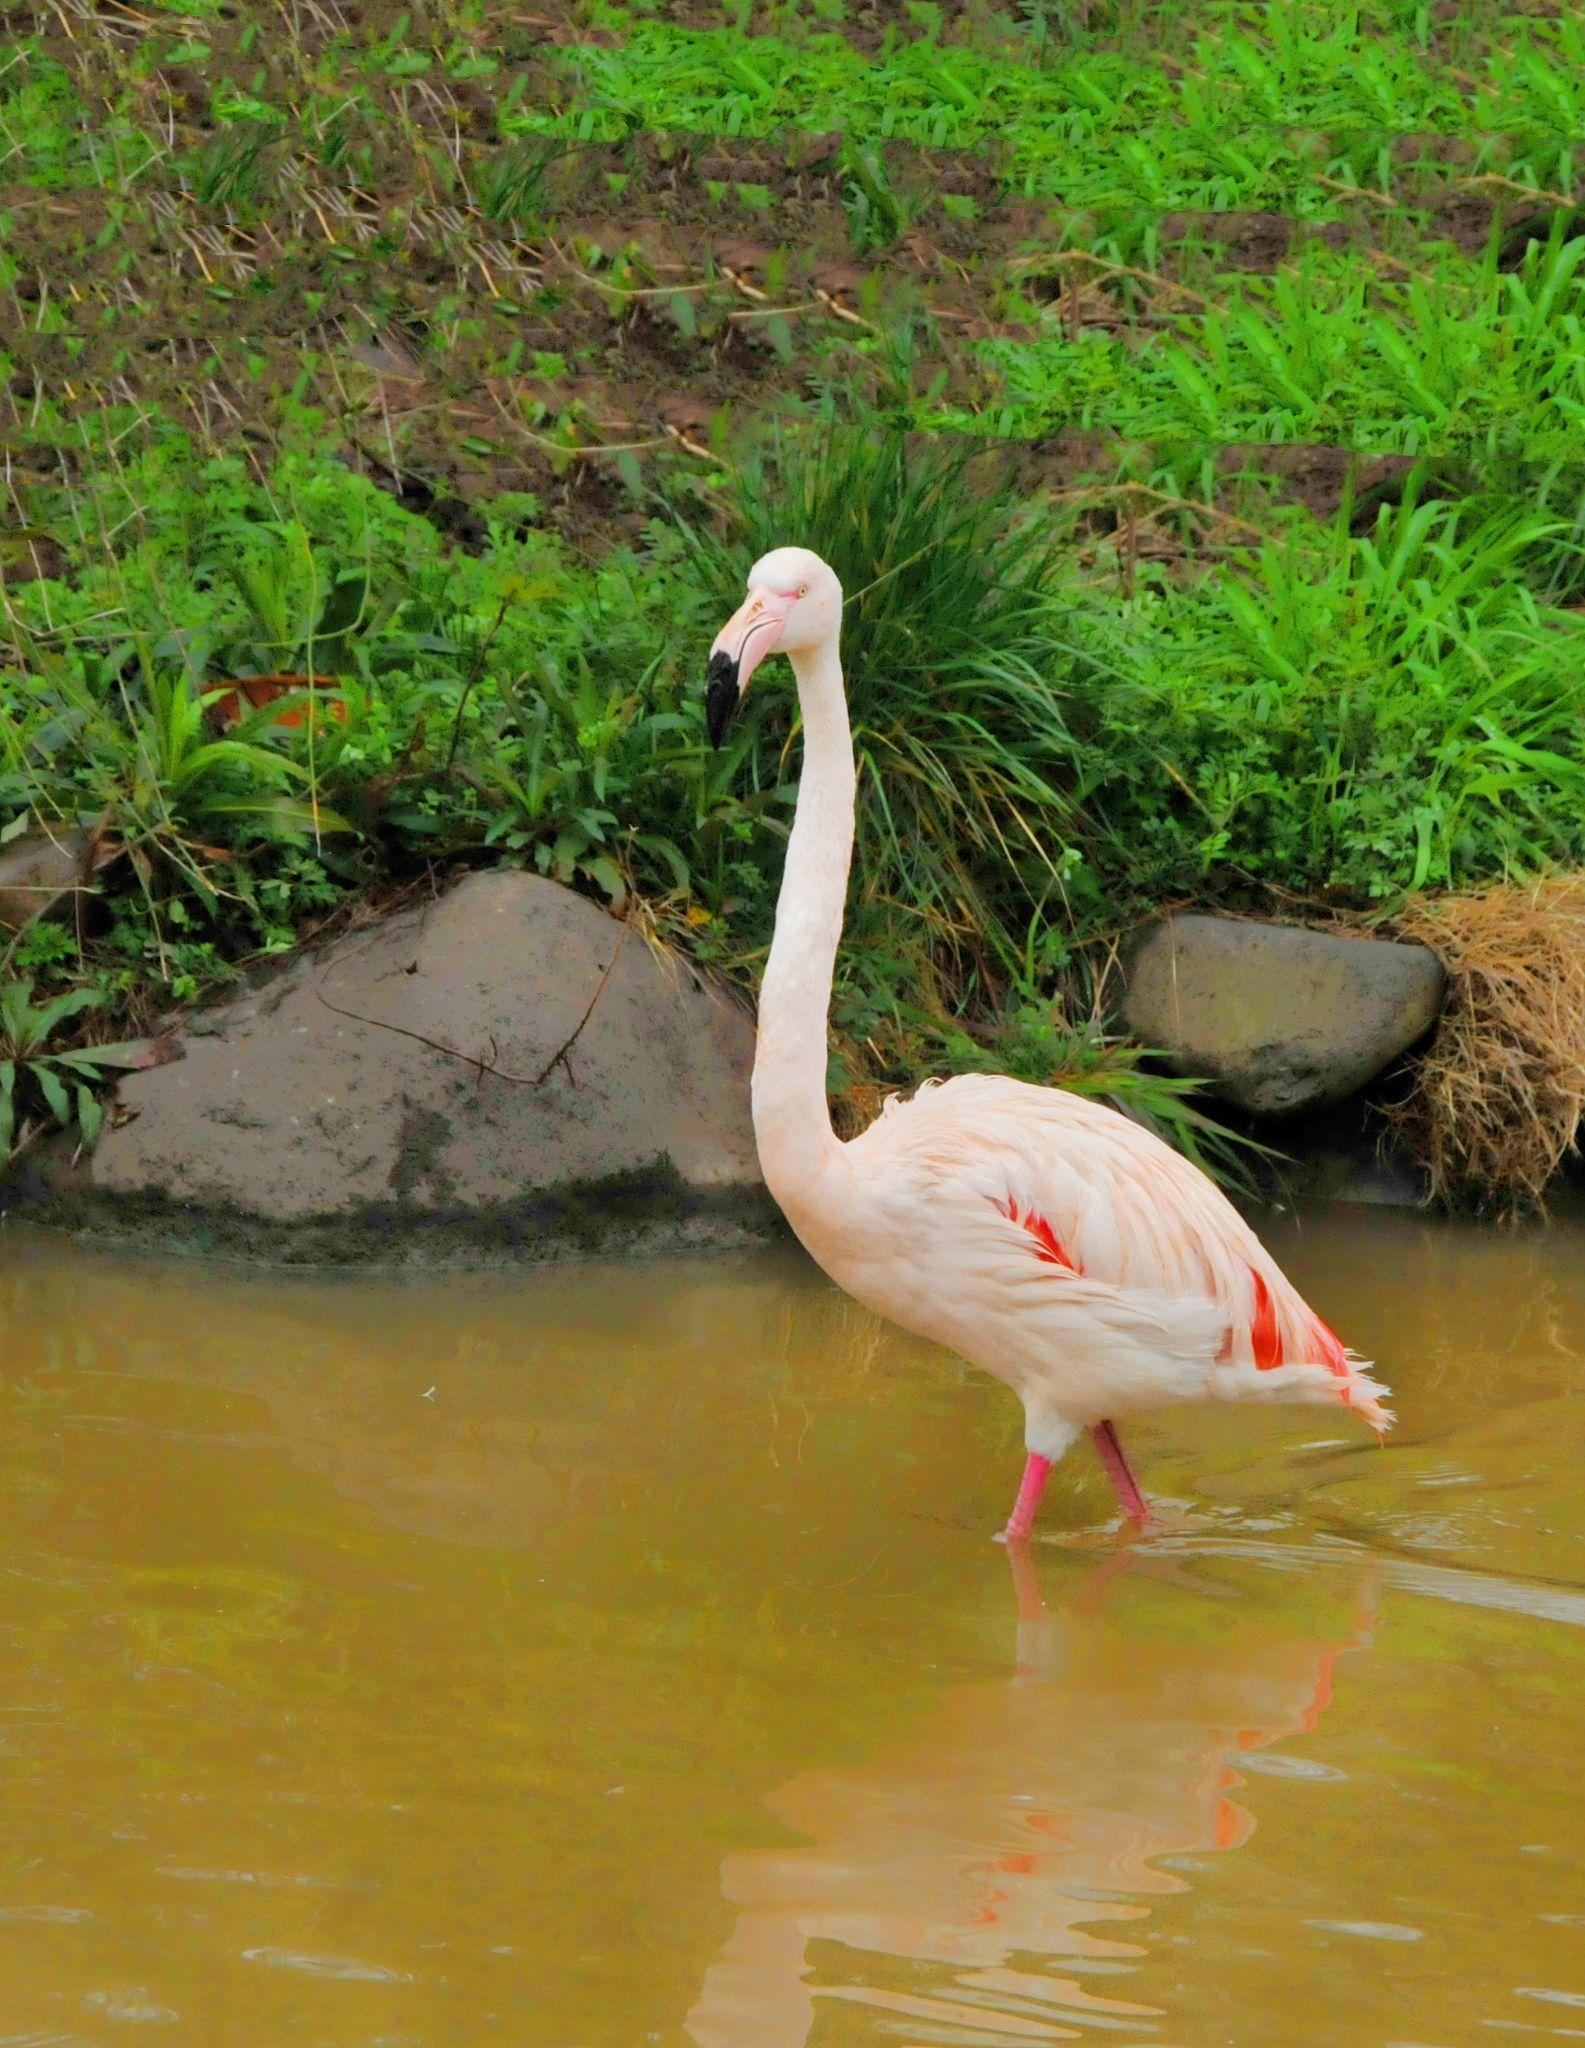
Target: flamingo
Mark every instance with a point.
(1045, 1238)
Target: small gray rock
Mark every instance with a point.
(37, 870)
(1277, 1019)
(506, 1065)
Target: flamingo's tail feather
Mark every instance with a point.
(1365, 1395)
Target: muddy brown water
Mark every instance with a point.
(618, 1655)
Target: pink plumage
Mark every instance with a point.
(1042, 1236)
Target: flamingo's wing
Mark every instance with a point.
(1083, 1191)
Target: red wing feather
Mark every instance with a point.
(1048, 1246)
(1264, 1339)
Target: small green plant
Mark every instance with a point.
(589, 759)
(129, 731)
(877, 212)
(232, 172)
(511, 186)
(301, 615)
(42, 1085)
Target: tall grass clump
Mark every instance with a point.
(953, 650)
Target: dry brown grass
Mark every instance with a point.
(1498, 1094)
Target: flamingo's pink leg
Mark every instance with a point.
(1104, 1435)
(1022, 1519)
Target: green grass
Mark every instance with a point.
(1460, 361)
(469, 365)
(1287, 65)
(1351, 721)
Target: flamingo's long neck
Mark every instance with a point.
(792, 1123)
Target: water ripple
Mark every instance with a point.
(340, 1967)
(1273, 1764)
(1369, 1930)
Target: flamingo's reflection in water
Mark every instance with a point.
(1023, 1827)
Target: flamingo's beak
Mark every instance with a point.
(742, 644)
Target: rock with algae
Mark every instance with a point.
(504, 1069)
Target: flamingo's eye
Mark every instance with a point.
(803, 590)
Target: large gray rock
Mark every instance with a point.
(506, 1066)
(1277, 1019)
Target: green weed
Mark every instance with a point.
(42, 1085)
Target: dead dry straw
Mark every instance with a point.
(1497, 1096)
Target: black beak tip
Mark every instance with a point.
(720, 695)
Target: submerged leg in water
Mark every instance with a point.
(1105, 1438)
(1037, 1470)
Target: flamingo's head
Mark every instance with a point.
(794, 602)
